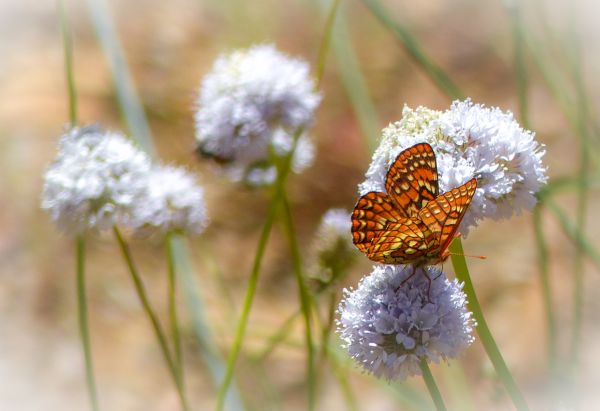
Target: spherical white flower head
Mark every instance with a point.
(95, 181)
(332, 252)
(469, 140)
(388, 326)
(172, 201)
(250, 105)
(335, 223)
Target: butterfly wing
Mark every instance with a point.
(443, 215)
(412, 180)
(403, 242)
(372, 214)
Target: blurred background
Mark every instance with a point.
(369, 76)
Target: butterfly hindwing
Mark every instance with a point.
(402, 242)
(443, 215)
(371, 215)
(412, 180)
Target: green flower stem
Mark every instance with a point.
(249, 297)
(305, 302)
(158, 331)
(68, 50)
(432, 387)
(462, 273)
(172, 291)
(84, 329)
(82, 308)
(264, 237)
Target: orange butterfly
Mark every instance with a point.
(412, 223)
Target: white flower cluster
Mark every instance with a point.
(100, 179)
(333, 251)
(335, 224)
(250, 106)
(469, 140)
(388, 326)
(95, 181)
(173, 201)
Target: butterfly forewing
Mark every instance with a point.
(412, 180)
(372, 214)
(443, 215)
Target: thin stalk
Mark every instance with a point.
(432, 387)
(414, 50)
(325, 43)
(84, 329)
(542, 248)
(281, 335)
(571, 230)
(172, 303)
(208, 349)
(68, 50)
(82, 308)
(282, 175)
(582, 192)
(129, 101)
(519, 63)
(462, 273)
(341, 376)
(248, 299)
(543, 256)
(158, 331)
(353, 80)
(305, 301)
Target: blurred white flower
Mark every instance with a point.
(95, 181)
(469, 140)
(388, 326)
(332, 252)
(250, 105)
(172, 201)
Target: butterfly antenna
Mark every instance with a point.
(481, 257)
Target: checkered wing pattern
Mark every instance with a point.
(412, 180)
(443, 215)
(403, 242)
(371, 216)
(412, 223)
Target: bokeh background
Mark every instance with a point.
(369, 76)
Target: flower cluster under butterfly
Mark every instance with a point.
(412, 223)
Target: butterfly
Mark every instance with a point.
(411, 223)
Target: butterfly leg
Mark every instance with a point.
(410, 276)
(428, 286)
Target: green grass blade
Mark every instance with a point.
(129, 102)
(305, 300)
(68, 56)
(485, 335)
(412, 46)
(353, 80)
(150, 313)
(571, 230)
(195, 303)
(84, 328)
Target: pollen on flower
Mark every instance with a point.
(95, 180)
(388, 326)
(251, 105)
(469, 140)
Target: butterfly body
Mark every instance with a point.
(411, 223)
